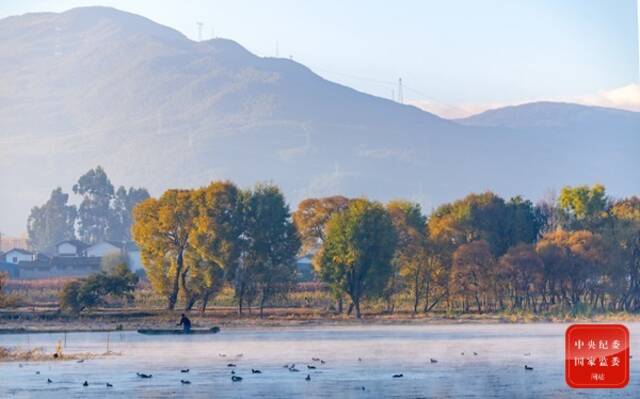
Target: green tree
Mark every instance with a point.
(217, 240)
(162, 229)
(358, 250)
(52, 222)
(624, 231)
(272, 243)
(94, 290)
(583, 207)
(94, 214)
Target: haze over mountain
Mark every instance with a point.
(99, 86)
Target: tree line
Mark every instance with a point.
(104, 213)
(480, 253)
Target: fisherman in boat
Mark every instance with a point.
(185, 323)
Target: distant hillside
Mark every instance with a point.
(99, 86)
(555, 115)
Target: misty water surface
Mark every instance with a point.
(496, 371)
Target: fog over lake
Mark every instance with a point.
(496, 371)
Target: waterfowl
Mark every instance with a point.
(293, 369)
(184, 371)
(231, 365)
(528, 354)
(398, 375)
(185, 382)
(233, 372)
(49, 381)
(475, 353)
(143, 375)
(432, 360)
(359, 359)
(462, 353)
(38, 372)
(85, 384)
(315, 359)
(254, 371)
(222, 355)
(528, 367)
(310, 367)
(322, 361)
(109, 385)
(362, 388)
(235, 378)
(308, 377)
(80, 361)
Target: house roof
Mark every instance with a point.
(19, 250)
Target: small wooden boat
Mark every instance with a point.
(212, 330)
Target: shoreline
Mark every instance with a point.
(119, 320)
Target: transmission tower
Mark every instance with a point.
(400, 93)
(200, 24)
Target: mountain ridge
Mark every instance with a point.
(159, 110)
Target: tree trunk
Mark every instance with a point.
(240, 299)
(205, 300)
(173, 296)
(357, 306)
(340, 304)
(190, 298)
(263, 300)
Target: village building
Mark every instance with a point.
(69, 258)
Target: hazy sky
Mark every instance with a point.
(451, 52)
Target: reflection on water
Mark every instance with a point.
(496, 371)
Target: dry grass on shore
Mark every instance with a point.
(40, 355)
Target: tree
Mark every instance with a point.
(410, 259)
(583, 207)
(521, 269)
(109, 262)
(272, 243)
(472, 272)
(93, 291)
(52, 222)
(524, 222)
(94, 214)
(624, 231)
(573, 261)
(3, 281)
(312, 216)
(217, 239)
(162, 228)
(120, 220)
(475, 217)
(357, 251)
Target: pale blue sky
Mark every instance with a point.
(453, 52)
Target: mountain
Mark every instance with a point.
(554, 115)
(100, 86)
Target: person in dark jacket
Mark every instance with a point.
(185, 323)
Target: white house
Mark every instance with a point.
(70, 248)
(17, 255)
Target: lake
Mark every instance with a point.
(355, 357)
